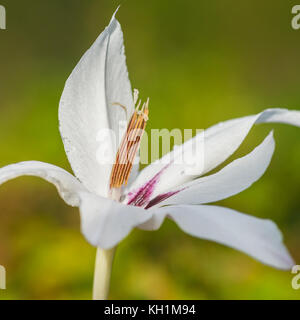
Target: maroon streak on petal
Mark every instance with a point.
(142, 195)
(160, 198)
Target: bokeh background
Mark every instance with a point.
(201, 62)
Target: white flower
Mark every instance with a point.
(100, 80)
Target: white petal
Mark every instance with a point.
(87, 108)
(67, 185)
(220, 142)
(234, 178)
(224, 138)
(105, 223)
(259, 238)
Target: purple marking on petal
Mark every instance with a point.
(160, 198)
(142, 195)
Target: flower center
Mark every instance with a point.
(129, 145)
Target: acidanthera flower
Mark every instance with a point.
(97, 97)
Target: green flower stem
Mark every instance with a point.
(103, 267)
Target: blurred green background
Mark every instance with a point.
(201, 62)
